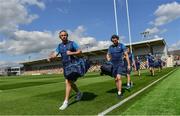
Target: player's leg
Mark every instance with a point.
(78, 93)
(152, 71)
(118, 82)
(67, 94)
(128, 81)
(139, 72)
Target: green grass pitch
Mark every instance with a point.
(42, 95)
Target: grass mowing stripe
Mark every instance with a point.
(21, 85)
(99, 94)
(28, 91)
(161, 99)
(133, 95)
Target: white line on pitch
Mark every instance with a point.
(132, 96)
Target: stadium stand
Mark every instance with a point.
(155, 46)
(176, 57)
(11, 70)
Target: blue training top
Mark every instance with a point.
(63, 48)
(150, 59)
(137, 62)
(131, 59)
(117, 52)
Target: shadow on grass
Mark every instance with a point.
(87, 96)
(57, 96)
(114, 90)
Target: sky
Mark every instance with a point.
(29, 28)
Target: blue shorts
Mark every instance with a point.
(127, 71)
(117, 69)
(151, 65)
(137, 67)
(72, 78)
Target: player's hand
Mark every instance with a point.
(129, 67)
(51, 56)
(69, 52)
(135, 68)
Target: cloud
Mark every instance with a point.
(7, 64)
(36, 42)
(167, 13)
(62, 10)
(34, 2)
(155, 30)
(67, 1)
(24, 42)
(39, 44)
(87, 42)
(16, 42)
(152, 30)
(64, 7)
(14, 13)
(175, 46)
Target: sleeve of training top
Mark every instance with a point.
(132, 57)
(147, 57)
(57, 50)
(153, 58)
(76, 46)
(109, 51)
(124, 48)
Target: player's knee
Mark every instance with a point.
(68, 81)
(118, 78)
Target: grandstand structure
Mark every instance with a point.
(11, 70)
(157, 47)
(176, 57)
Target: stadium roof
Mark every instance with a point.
(157, 41)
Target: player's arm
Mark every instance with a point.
(52, 55)
(147, 63)
(77, 52)
(133, 62)
(127, 59)
(108, 57)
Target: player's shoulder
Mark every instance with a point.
(111, 46)
(121, 44)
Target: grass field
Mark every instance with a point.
(162, 99)
(42, 95)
